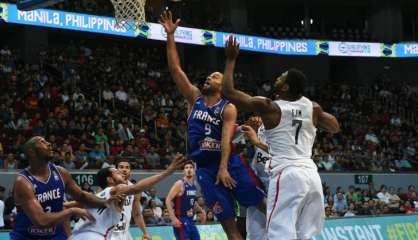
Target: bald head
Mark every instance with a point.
(38, 149)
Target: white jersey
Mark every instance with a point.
(260, 159)
(125, 220)
(106, 219)
(290, 142)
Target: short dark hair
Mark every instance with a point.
(189, 162)
(102, 176)
(296, 80)
(122, 160)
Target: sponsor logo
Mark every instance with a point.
(210, 144)
(41, 231)
(349, 48)
(180, 34)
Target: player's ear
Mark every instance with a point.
(285, 87)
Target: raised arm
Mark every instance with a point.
(242, 100)
(25, 199)
(174, 191)
(324, 120)
(189, 91)
(83, 197)
(150, 181)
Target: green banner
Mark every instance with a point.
(80, 179)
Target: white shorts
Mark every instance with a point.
(256, 224)
(123, 235)
(87, 235)
(295, 204)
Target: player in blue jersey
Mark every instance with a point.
(211, 125)
(181, 204)
(39, 196)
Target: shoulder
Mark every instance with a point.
(22, 182)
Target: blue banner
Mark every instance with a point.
(407, 50)
(269, 45)
(106, 25)
(358, 228)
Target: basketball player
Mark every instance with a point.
(132, 205)
(255, 219)
(295, 207)
(39, 195)
(211, 125)
(183, 195)
(111, 181)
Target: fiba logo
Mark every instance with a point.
(343, 47)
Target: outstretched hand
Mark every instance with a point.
(166, 20)
(177, 163)
(231, 48)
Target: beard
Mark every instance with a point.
(209, 91)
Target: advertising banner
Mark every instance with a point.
(355, 49)
(357, 228)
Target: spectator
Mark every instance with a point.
(351, 211)
(81, 157)
(210, 217)
(96, 156)
(340, 206)
(68, 161)
(394, 199)
(383, 195)
(11, 162)
(102, 139)
(153, 159)
(153, 196)
(158, 212)
(411, 191)
(166, 218)
(365, 210)
(149, 217)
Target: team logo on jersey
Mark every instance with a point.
(210, 144)
(56, 176)
(217, 208)
(217, 110)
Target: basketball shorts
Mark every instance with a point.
(295, 204)
(88, 235)
(256, 224)
(187, 231)
(221, 199)
(120, 235)
(16, 236)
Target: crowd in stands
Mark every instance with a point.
(98, 104)
(370, 202)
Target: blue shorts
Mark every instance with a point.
(187, 231)
(16, 236)
(220, 199)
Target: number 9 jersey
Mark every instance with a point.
(205, 132)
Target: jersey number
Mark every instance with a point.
(299, 125)
(208, 130)
(121, 225)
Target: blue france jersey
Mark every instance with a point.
(185, 202)
(205, 132)
(50, 195)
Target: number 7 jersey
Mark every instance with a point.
(290, 142)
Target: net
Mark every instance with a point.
(129, 14)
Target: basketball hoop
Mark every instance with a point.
(129, 13)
